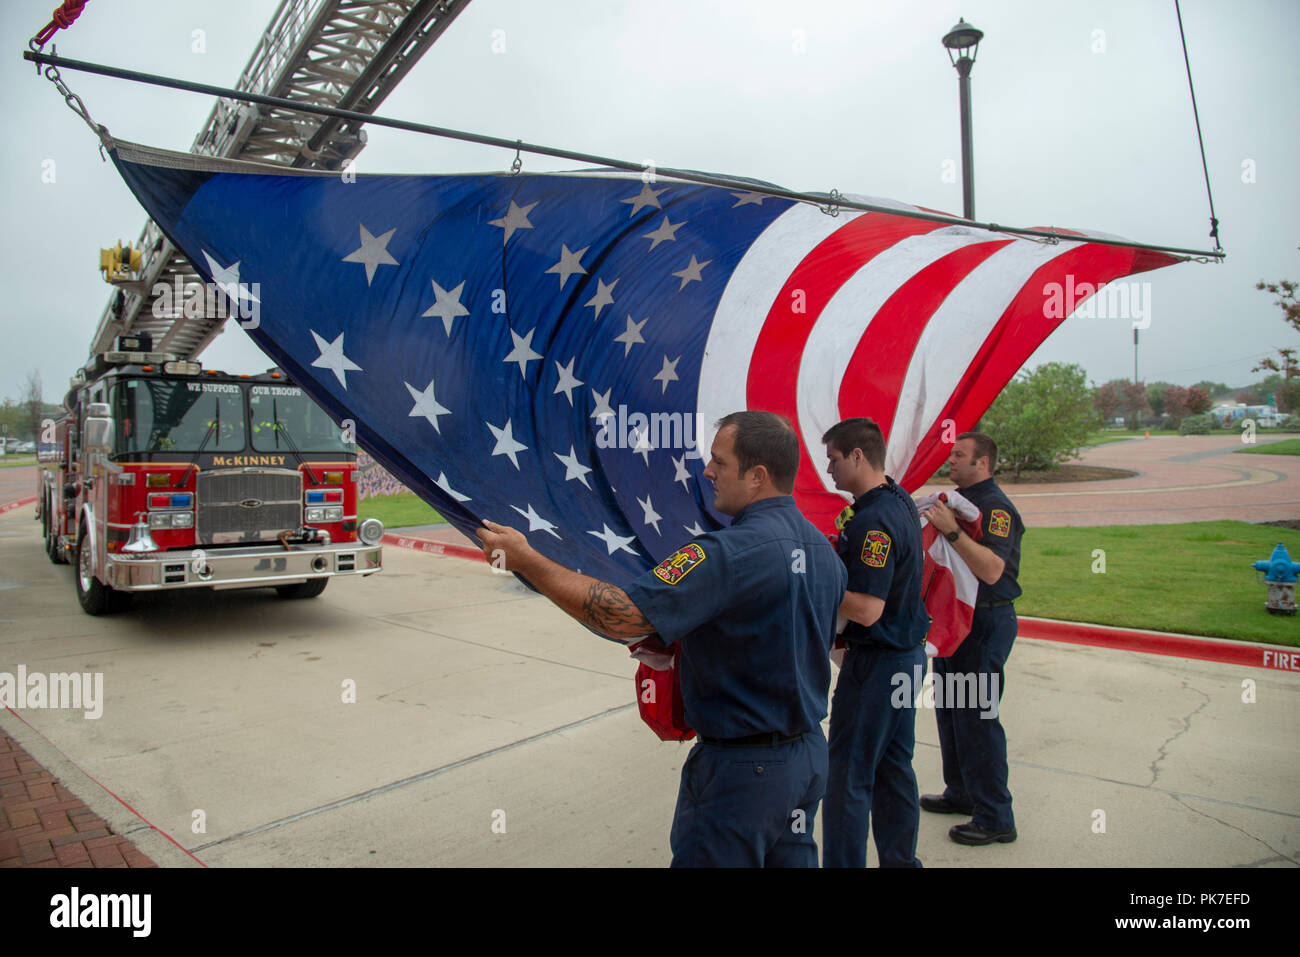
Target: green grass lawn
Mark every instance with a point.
(398, 511)
(1285, 447)
(16, 461)
(1194, 578)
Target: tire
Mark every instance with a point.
(307, 589)
(52, 547)
(95, 597)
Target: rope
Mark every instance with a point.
(64, 16)
(829, 203)
(1214, 222)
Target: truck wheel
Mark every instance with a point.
(52, 547)
(95, 597)
(307, 589)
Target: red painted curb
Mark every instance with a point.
(10, 506)
(436, 548)
(1273, 657)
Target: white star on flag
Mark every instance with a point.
(569, 263)
(227, 280)
(641, 444)
(666, 232)
(647, 197)
(426, 405)
(603, 410)
(631, 335)
(602, 298)
(749, 199)
(515, 218)
(568, 381)
(332, 358)
(506, 444)
(446, 304)
(692, 272)
(523, 351)
(373, 252)
(535, 522)
(573, 469)
(667, 374)
(694, 529)
(683, 475)
(651, 516)
(443, 484)
(614, 542)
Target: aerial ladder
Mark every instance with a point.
(346, 54)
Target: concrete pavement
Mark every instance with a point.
(490, 730)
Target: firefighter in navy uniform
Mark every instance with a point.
(971, 739)
(873, 722)
(754, 608)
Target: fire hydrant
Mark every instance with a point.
(1280, 574)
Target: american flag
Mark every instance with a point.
(540, 349)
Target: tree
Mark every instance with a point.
(1247, 397)
(1042, 417)
(1212, 389)
(1155, 392)
(34, 403)
(1198, 400)
(1106, 401)
(1175, 405)
(1286, 364)
(1135, 402)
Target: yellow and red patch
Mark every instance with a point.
(999, 523)
(843, 519)
(676, 566)
(875, 549)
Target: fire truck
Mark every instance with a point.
(162, 474)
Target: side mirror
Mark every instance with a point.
(99, 428)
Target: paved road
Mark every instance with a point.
(478, 704)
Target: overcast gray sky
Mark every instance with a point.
(1082, 119)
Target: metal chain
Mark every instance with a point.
(77, 106)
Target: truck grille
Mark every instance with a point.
(247, 505)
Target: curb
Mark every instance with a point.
(10, 506)
(1225, 650)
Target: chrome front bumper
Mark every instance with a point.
(262, 565)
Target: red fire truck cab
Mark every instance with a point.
(164, 475)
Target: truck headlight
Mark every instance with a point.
(328, 513)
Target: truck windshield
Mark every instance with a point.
(156, 415)
(285, 419)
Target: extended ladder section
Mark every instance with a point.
(346, 54)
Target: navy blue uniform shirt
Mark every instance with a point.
(1003, 530)
(880, 543)
(754, 607)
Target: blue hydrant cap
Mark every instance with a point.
(1279, 567)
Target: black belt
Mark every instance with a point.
(994, 604)
(768, 739)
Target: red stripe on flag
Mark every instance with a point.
(774, 367)
(1017, 334)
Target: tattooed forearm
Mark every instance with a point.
(608, 609)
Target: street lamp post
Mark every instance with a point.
(960, 39)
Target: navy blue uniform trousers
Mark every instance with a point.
(750, 806)
(871, 746)
(972, 742)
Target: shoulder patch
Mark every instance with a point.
(677, 565)
(999, 523)
(875, 549)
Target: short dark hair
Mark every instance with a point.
(766, 439)
(859, 433)
(984, 446)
